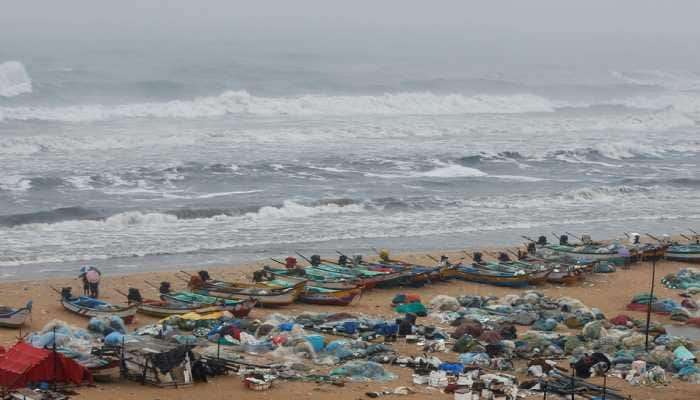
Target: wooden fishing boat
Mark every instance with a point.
(329, 297)
(371, 278)
(537, 274)
(588, 253)
(265, 295)
(419, 274)
(89, 307)
(327, 283)
(14, 317)
(324, 296)
(469, 273)
(164, 308)
(684, 252)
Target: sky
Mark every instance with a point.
(50, 18)
(447, 37)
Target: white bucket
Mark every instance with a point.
(463, 394)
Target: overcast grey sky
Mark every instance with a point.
(49, 18)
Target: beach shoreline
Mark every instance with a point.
(608, 292)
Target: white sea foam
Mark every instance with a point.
(241, 102)
(449, 171)
(675, 80)
(14, 80)
(15, 183)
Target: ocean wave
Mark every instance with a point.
(70, 216)
(14, 80)
(674, 80)
(241, 102)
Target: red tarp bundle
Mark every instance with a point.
(23, 364)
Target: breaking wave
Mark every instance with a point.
(241, 102)
(665, 79)
(14, 80)
(92, 217)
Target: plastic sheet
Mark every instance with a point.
(363, 371)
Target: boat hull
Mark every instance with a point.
(683, 256)
(126, 313)
(583, 256)
(492, 279)
(330, 298)
(273, 298)
(156, 308)
(15, 319)
(329, 284)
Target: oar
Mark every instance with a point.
(302, 256)
(469, 256)
(339, 253)
(555, 235)
(151, 285)
(186, 273)
(655, 238)
(278, 261)
(686, 237)
(693, 231)
(512, 252)
(527, 238)
(627, 234)
(432, 258)
(121, 293)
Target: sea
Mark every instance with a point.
(132, 162)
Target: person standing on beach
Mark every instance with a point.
(86, 284)
(93, 276)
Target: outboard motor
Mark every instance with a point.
(66, 293)
(258, 276)
(315, 260)
(343, 260)
(531, 248)
(134, 296)
(564, 240)
(478, 257)
(503, 257)
(204, 276)
(542, 240)
(635, 238)
(586, 239)
(164, 288)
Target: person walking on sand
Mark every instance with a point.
(93, 276)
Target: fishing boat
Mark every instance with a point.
(167, 307)
(89, 307)
(323, 296)
(314, 279)
(536, 273)
(370, 278)
(14, 317)
(419, 274)
(469, 273)
(164, 308)
(265, 295)
(684, 252)
(588, 253)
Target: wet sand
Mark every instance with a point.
(608, 292)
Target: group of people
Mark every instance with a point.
(91, 281)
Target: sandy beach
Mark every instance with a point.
(608, 292)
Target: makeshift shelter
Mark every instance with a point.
(24, 364)
(157, 362)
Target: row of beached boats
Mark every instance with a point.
(342, 281)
